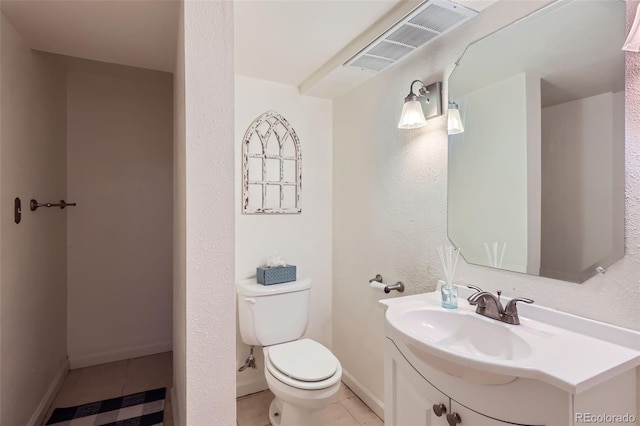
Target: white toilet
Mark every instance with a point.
(303, 375)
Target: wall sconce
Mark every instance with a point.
(413, 115)
(454, 123)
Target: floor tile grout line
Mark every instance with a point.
(363, 403)
(353, 394)
(349, 412)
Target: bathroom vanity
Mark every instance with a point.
(448, 367)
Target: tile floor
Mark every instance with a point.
(347, 410)
(90, 384)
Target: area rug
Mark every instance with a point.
(140, 409)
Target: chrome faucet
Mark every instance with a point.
(489, 305)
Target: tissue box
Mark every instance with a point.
(276, 275)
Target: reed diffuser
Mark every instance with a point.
(449, 292)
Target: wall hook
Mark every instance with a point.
(34, 205)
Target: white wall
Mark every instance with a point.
(583, 171)
(390, 206)
(301, 239)
(33, 266)
(204, 315)
(489, 198)
(119, 171)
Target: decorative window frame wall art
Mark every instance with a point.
(271, 167)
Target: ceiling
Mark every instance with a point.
(286, 41)
(305, 42)
(297, 42)
(136, 33)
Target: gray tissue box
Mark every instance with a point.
(275, 275)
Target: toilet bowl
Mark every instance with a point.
(305, 377)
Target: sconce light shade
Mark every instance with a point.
(632, 43)
(454, 122)
(412, 116)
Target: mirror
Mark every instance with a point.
(536, 179)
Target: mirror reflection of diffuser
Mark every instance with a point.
(492, 255)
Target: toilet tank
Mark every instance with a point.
(272, 314)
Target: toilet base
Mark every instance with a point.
(282, 413)
(274, 413)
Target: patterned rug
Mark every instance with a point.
(140, 409)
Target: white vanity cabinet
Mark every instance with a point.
(410, 400)
(413, 389)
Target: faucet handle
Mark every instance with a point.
(519, 299)
(511, 310)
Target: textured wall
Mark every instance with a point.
(209, 172)
(33, 278)
(119, 171)
(302, 239)
(390, 206)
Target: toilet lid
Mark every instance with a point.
(304, 360)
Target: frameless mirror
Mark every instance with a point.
(536, 179)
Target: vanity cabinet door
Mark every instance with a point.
(409, 399)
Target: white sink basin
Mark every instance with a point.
(460, 332)
(564, 350)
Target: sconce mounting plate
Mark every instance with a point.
(432, 101)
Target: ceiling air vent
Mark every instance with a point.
(426, 23)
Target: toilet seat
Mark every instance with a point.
(303, 364)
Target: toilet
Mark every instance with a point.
(303, 375)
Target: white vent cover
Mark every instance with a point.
(426, 23)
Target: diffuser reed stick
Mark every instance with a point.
(449, 266)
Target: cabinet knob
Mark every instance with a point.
(453, 419)
(439, 409)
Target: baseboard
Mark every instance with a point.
(81, 361)
(363, 393)
(251, 386)
(38, 416)
(175, 407)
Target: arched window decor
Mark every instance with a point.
(271, 166)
